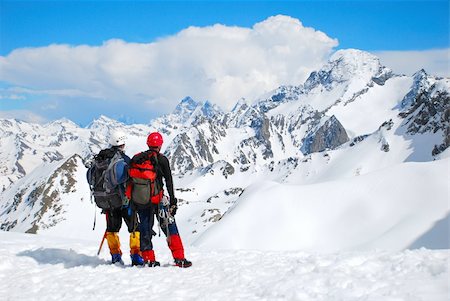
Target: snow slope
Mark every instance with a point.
(35, 267)
(376, 210)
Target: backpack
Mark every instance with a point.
(105, 177)
(146, 184)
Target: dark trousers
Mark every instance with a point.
(114, 219)
(146, 220)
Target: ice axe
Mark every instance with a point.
(101, 243)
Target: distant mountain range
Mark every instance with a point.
(351, 118)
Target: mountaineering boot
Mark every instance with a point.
(149, 258)
(183, 263)
(116, 258)
(137, 259)
(153, 264)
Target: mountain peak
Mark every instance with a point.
(101, 121)
(209, 109)
(240, 104)
(420, 75)
(421, 80)
(186, 106)
(352, 54)
(104, 118)
(63, 122)
(188, 100)
(346, 66)
(188, 109)
(348, 63)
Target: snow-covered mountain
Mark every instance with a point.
(335, 163)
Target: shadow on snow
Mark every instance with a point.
(69, 258)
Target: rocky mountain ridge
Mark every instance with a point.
(353, 106)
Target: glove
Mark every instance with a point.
(173, 209)
(126, 204)
(173, 201)
(125, 201)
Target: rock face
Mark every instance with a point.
(428, 112)
(328, 136)
(427, 109)
(41, 200)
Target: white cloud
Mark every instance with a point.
(23, 115)
(219, 63)
(12, 96)
(20, 91)
(435, 61)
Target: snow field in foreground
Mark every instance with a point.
(35, 267)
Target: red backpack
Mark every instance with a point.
(145, 185)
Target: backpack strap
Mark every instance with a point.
(105, 154)
(144, 156)
(159, 172)
(140, 158)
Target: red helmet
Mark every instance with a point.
(154, 139)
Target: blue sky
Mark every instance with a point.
(381, 27)
(367, 25)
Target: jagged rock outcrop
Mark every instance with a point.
(429, 112)
(328, 136)
(42, 199)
